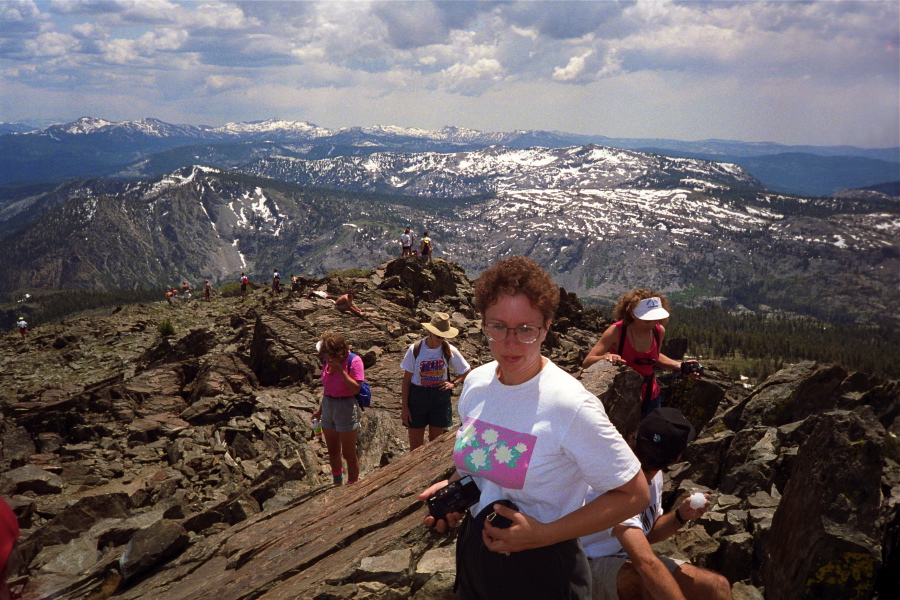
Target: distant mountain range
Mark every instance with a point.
(601, 220)
(91, 147)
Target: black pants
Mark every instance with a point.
(557, 572)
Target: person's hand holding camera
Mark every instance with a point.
(453, 518)
(522, 532)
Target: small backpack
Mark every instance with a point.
(245, 281)
(364, 397)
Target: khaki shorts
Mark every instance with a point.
(341, 414)
(605, 574)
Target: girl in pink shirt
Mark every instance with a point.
(340, 412)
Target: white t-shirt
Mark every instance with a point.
(405, 239)
(430, 368)
(22, 324)
(540, 444)
(605, 543)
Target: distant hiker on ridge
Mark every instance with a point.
(426, 246)
(636, 340)
(276, 283)
(406, 241)
(23, 327)
(207, 291)
(185, 290)
(244, 281)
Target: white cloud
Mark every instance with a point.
(379, 54)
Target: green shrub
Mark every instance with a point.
(230, 290)
(166, 328)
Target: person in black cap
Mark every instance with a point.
(623, 564)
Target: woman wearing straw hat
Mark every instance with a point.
(427, 386)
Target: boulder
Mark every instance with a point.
(30, 479)
(824, 540)
(151, 546)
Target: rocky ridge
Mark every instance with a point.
(600, 220)
(186, 467)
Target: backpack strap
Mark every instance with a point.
(622, 330)
(445, 347)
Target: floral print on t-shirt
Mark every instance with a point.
(498, 454)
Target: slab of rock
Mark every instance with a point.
(30, 479)
(824, 540)
(301, 549)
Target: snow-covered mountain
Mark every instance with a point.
(146, 148)
(601, 220)
(499, 169)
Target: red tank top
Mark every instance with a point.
(642, 362)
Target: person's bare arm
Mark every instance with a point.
(601, 350)
(404, 398)
(655, 577)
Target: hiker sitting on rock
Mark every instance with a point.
(623, 564)
(427, 387)
(345, 304)
(636, 340)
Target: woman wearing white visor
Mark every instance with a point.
(636, 340)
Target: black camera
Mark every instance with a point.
(691, 367)
(457, 496)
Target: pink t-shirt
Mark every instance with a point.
(334, 383)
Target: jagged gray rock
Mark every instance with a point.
(208, 433)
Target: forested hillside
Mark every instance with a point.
(760, 344)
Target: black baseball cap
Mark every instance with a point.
(663, 435)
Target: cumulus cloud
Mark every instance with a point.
(382, 52)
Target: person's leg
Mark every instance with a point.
(702, 584)
(440, 414)
(649, 406)
(348, 449)
(629, 584)
(416, 437)
(435, 432)
(419, 403)
(333, 444)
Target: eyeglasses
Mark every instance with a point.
(527, 334)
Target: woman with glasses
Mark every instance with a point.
(636, 339)
(533, 440)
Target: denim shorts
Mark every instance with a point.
(341, 414)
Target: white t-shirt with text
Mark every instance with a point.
(430, 368)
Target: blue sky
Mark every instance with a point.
(819, 72)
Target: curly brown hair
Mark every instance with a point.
(517, 275)
(334, 344)
(625, 308)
